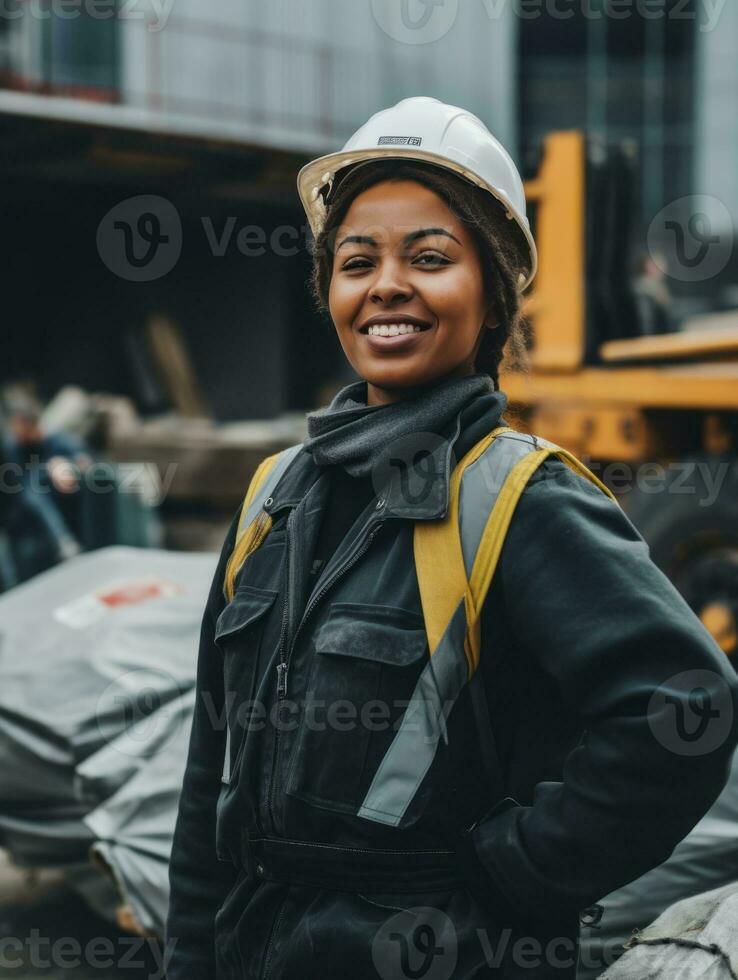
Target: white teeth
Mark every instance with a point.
(393, 329)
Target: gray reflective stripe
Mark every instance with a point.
(226, 777)
(481, 485)
(414, 747)
(269, 485)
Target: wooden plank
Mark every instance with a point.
(692, 344)
(703, 386)
(175, 368)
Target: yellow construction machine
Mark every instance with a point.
(656, 416)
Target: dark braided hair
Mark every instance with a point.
(501, 247)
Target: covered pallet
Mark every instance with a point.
(97, 674)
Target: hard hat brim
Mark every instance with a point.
(313, 177)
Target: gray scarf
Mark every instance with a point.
(356, 435)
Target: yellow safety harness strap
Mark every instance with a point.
(455, 560)
(439, 560)
(248, 539)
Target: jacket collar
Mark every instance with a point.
(413, 482)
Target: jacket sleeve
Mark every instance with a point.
(199, 883)
(656, 698)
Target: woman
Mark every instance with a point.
(422, 250)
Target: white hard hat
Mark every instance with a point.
(428, 130)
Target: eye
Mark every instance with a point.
(432, 259)
(355, 263)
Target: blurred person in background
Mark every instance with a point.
(41, 483)
(652, 297)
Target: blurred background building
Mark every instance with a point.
(189, 123)
(216, 108)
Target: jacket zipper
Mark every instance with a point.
(276, 922)
(283, 666)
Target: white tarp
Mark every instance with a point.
(695, 939)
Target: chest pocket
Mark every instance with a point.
(366, 662)
(239, 634)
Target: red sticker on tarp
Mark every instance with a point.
(88, 609)
(133, 592)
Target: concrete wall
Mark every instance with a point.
(716, 136)
(305, 75)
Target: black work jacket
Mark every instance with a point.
(590, 660)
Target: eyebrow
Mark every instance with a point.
(413, 236)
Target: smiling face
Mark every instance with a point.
(405, 265)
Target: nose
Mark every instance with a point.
(389, 286)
